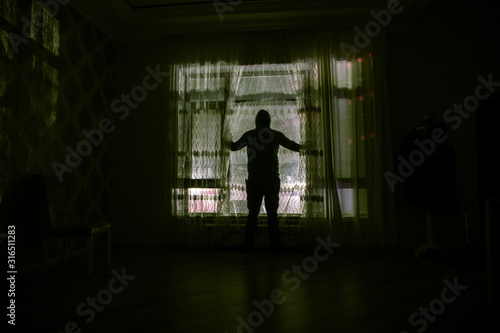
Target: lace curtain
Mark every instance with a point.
(315, 98)
(359, 146)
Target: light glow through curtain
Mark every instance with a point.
(316, 97)
(217, 104)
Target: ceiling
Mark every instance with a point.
(139, 20)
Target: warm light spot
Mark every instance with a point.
(360, 59)
(370, 55)
(348, 64)
(361, 98)
(362, 138)
(372, 135)
(350, 141)
(371, 93)
(349, 102)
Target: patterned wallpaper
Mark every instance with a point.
(56, 81)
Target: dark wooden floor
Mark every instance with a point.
(207, 290)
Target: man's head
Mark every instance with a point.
(263, 119)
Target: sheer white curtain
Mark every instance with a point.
(272, 87)
(314, 97)
(358, 144)
(200, 169)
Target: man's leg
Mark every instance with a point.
(272, 203)
(254, 201)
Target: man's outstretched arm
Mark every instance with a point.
(240, 144)
(289, 144)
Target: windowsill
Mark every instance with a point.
(208, 220)
(290, 220)
(353, 218)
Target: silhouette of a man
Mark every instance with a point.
(263, 175)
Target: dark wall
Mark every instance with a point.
(53, 85)
(434, 62)
(139, 164)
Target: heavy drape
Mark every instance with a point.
(317, 95)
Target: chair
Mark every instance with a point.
(56, 223)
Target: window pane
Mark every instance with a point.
(344, 137)
(202, 101)
(347, 74)
(200, 200)
(274, 88)
(206, 144)
(363, 202)
(343, 74)
(352, 206)
(346, 202)
(45, 28)
(203, 200)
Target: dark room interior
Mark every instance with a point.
(127, 202)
